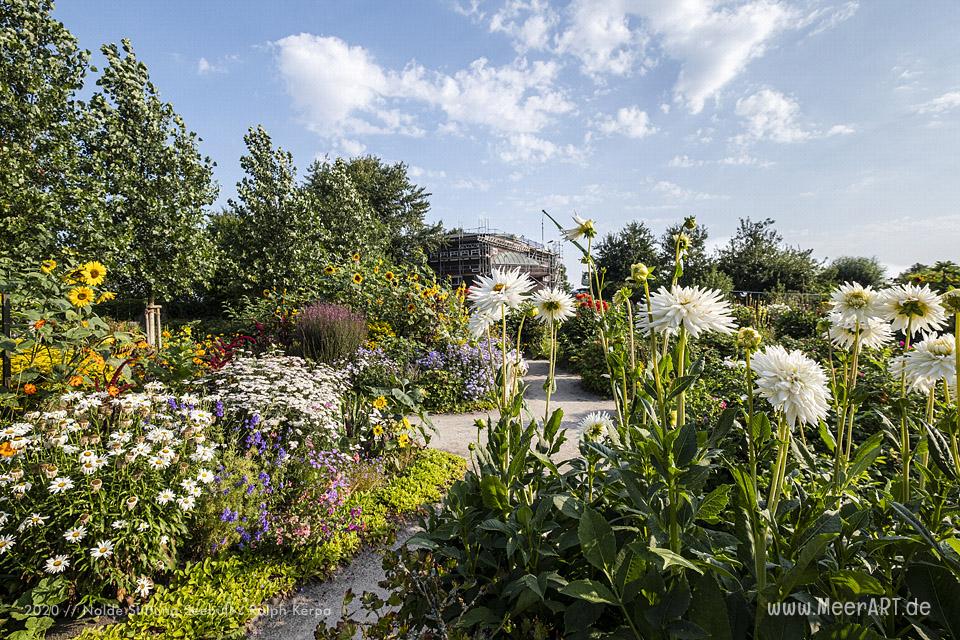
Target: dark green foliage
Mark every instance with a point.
(617, 251)
(866, 271)
(941, 276)
(757, 260)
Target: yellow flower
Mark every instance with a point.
(389, 276)
(80, 296)
(7, 450)
(75, 381)
(330, 270)
(403, 440)
(380, 403)
(30, 388)
(106, 296)
(377, 430)
(357, 278)
(355, 257)
(48, 265)
(93, 273)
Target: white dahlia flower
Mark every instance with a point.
(554, 305)
(920, 384)
(596, 424)
(874, 332)
(480, 322)
(932, 358)
(506, 289)
(918, 307)
(696, 309)
(854, 302)
(793, 383)
(584, 229)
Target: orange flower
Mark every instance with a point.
(39, 323)
(7, 450)
(113, 391)
(29, 388)
(75, 381)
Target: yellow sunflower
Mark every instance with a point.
(330, 270)
(93, 273)
(403, 440)
(355, 257)
(80, 296)
(48, 265)
(389, 276)
(380, 403)
(106, 296)
(377, 430)
(357, 278)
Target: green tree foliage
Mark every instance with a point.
(266, 237)
(156, 185)
(698, 268)
(617, 251)
(400, 206)
(341, 213)
(41, 184)
(866, 271)
(756, 259)
(941, 275)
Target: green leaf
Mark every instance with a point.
(857, 582)
(671, 559)
(685, 446)
(936, 586)
(714, 503)
(597, 541)
(493, 493)
(591, 591)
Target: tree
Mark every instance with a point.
(941, 276)
(265, 237)
(617, 251)
(399, 204)
(341, 213)
(156, 184)
(42, 186)
(697, 265)
(866, 271)
(757, 260)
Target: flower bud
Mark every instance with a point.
(690, 222)
(951, 301)
(131, 502)
(748, 338)
(640, 272)
(96, 485)
(683, 241)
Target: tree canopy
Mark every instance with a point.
(866, 271)
(756, 259)
(617, 251)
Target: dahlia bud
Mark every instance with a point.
(748, 338)
(690, 222)
(640, 272)
(683, 241)
(951, 301)
(96, 484)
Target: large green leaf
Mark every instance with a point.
(597, 541)
(714, 503)
(494, 494)
(591, 591)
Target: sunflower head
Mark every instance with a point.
(380, 402)
(106, 296)
(47, 266)
(355, 257)
(80, 296)
(329, 269)
(93, 273)
(357, 278)
(389, 276)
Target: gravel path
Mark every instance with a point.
(297, 616)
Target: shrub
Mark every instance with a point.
(330, 333)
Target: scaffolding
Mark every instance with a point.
(467, 254)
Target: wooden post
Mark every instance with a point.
(152, 319)
(5, 323)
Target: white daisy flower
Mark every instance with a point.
(56, 564)
(76, 534)
(61, 484)
(143, 525)
(186, 502)
(696, 309)
(7, 543)
(22, 487)
(144, 586)
(33, 520)
(15, 430)
(874, 332)
(203, 453)
(159, 462)
(87, 455)
(103, 549)
(206, 476)
(506, 290)
(4, 516)
(909, 304)
(88, 468)
(119, 524)
(141, 449)
(554, 305)
(584, 229)
(188, 484)
(165, 496)
(793, 383)
(853, 303)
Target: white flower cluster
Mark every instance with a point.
(86, 458)
(873, 316)
(282, 389)
(695, 309)
(793, 384)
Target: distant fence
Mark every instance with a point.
(793, 298)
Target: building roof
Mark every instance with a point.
(514, 258)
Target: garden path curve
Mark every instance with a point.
(296, 617)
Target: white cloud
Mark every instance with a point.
(471, 184)
(946, 102)
(743, 159)
(340, 89)
(529, 23)
(840, 130)
(420, 172)
(351, 147)
(628, 121)
(828, 17)
(676, 192)
(684, 162)
(528, 148)
(599, 34)
(206, 67)
(770, 115)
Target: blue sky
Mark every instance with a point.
(838, 118)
